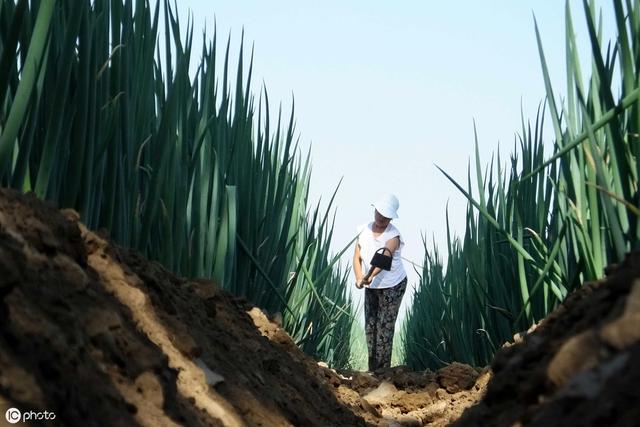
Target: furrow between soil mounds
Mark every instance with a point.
(101, 336)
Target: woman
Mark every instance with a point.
(384, 289)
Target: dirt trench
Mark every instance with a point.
(100, 336)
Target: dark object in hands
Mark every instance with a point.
(381, 260)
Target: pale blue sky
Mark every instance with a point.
(383, 90)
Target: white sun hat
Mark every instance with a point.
(387, 205)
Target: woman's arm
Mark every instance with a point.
(357, 264)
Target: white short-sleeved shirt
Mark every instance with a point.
(369, 244)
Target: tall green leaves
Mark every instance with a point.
(97, 115)
(30, 69)
(550, 224)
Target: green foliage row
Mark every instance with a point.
(537, 230)
(95, 114)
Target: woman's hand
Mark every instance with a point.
(362, 282)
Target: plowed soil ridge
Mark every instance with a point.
(581, 365)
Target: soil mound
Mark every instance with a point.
(581, 365)
(99, 336)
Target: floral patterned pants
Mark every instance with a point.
(380, 312)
